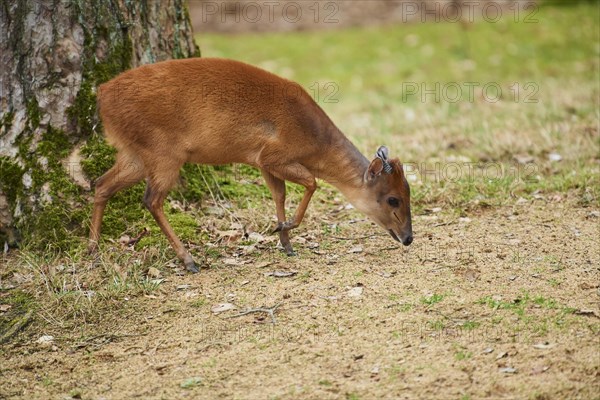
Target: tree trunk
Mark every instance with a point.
(53, 55)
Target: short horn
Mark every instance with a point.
(383, 153)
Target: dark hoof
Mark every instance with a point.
(289, 251)
(191, 266)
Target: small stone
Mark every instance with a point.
(555, 157)
(355, 292)
(45, 340)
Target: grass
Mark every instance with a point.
(432, 299)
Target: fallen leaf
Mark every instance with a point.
(501, 355)
(329, 298)
(488, 350)
(245, 250)
(471, 274)
(587, 285)
(554, 157)
(176, 205)
(263, 264)
(5, 307)
(230, 236)
(556, 198)
(233, 262)
(243, 283)
(214, 211)
(375, 370)
(523, 158)
(508, 370)
(256, 237)
(355, 291)
(586, 312)
(356, 249)
(281, 274)
(540, 369)
(222, 307)
(543, 346)
(153, 272)
(183, 287)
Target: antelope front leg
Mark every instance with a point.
(277, 188)
(298, 174)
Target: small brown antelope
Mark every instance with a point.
(217, 111)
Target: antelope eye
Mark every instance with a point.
(394, 202)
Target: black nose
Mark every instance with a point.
(407, 241)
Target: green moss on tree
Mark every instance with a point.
(11, 176)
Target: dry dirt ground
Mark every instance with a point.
(503, 304)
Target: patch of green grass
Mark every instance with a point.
(517, 305)
(191, 383)
(47, 381)
(554, 282)
(437, 325)
(470, 325)
(462, 355)
(432, 299)
(523, 306)
(199, 303)
(404, 307)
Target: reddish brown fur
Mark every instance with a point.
(216, 111)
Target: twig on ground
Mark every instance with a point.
(139, 237)
(104, 339)
(270, 311)
(389, 248)
(444, 223)
(356, 238)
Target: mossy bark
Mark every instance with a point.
(53, 55)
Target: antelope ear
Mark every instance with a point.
(375, 169)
